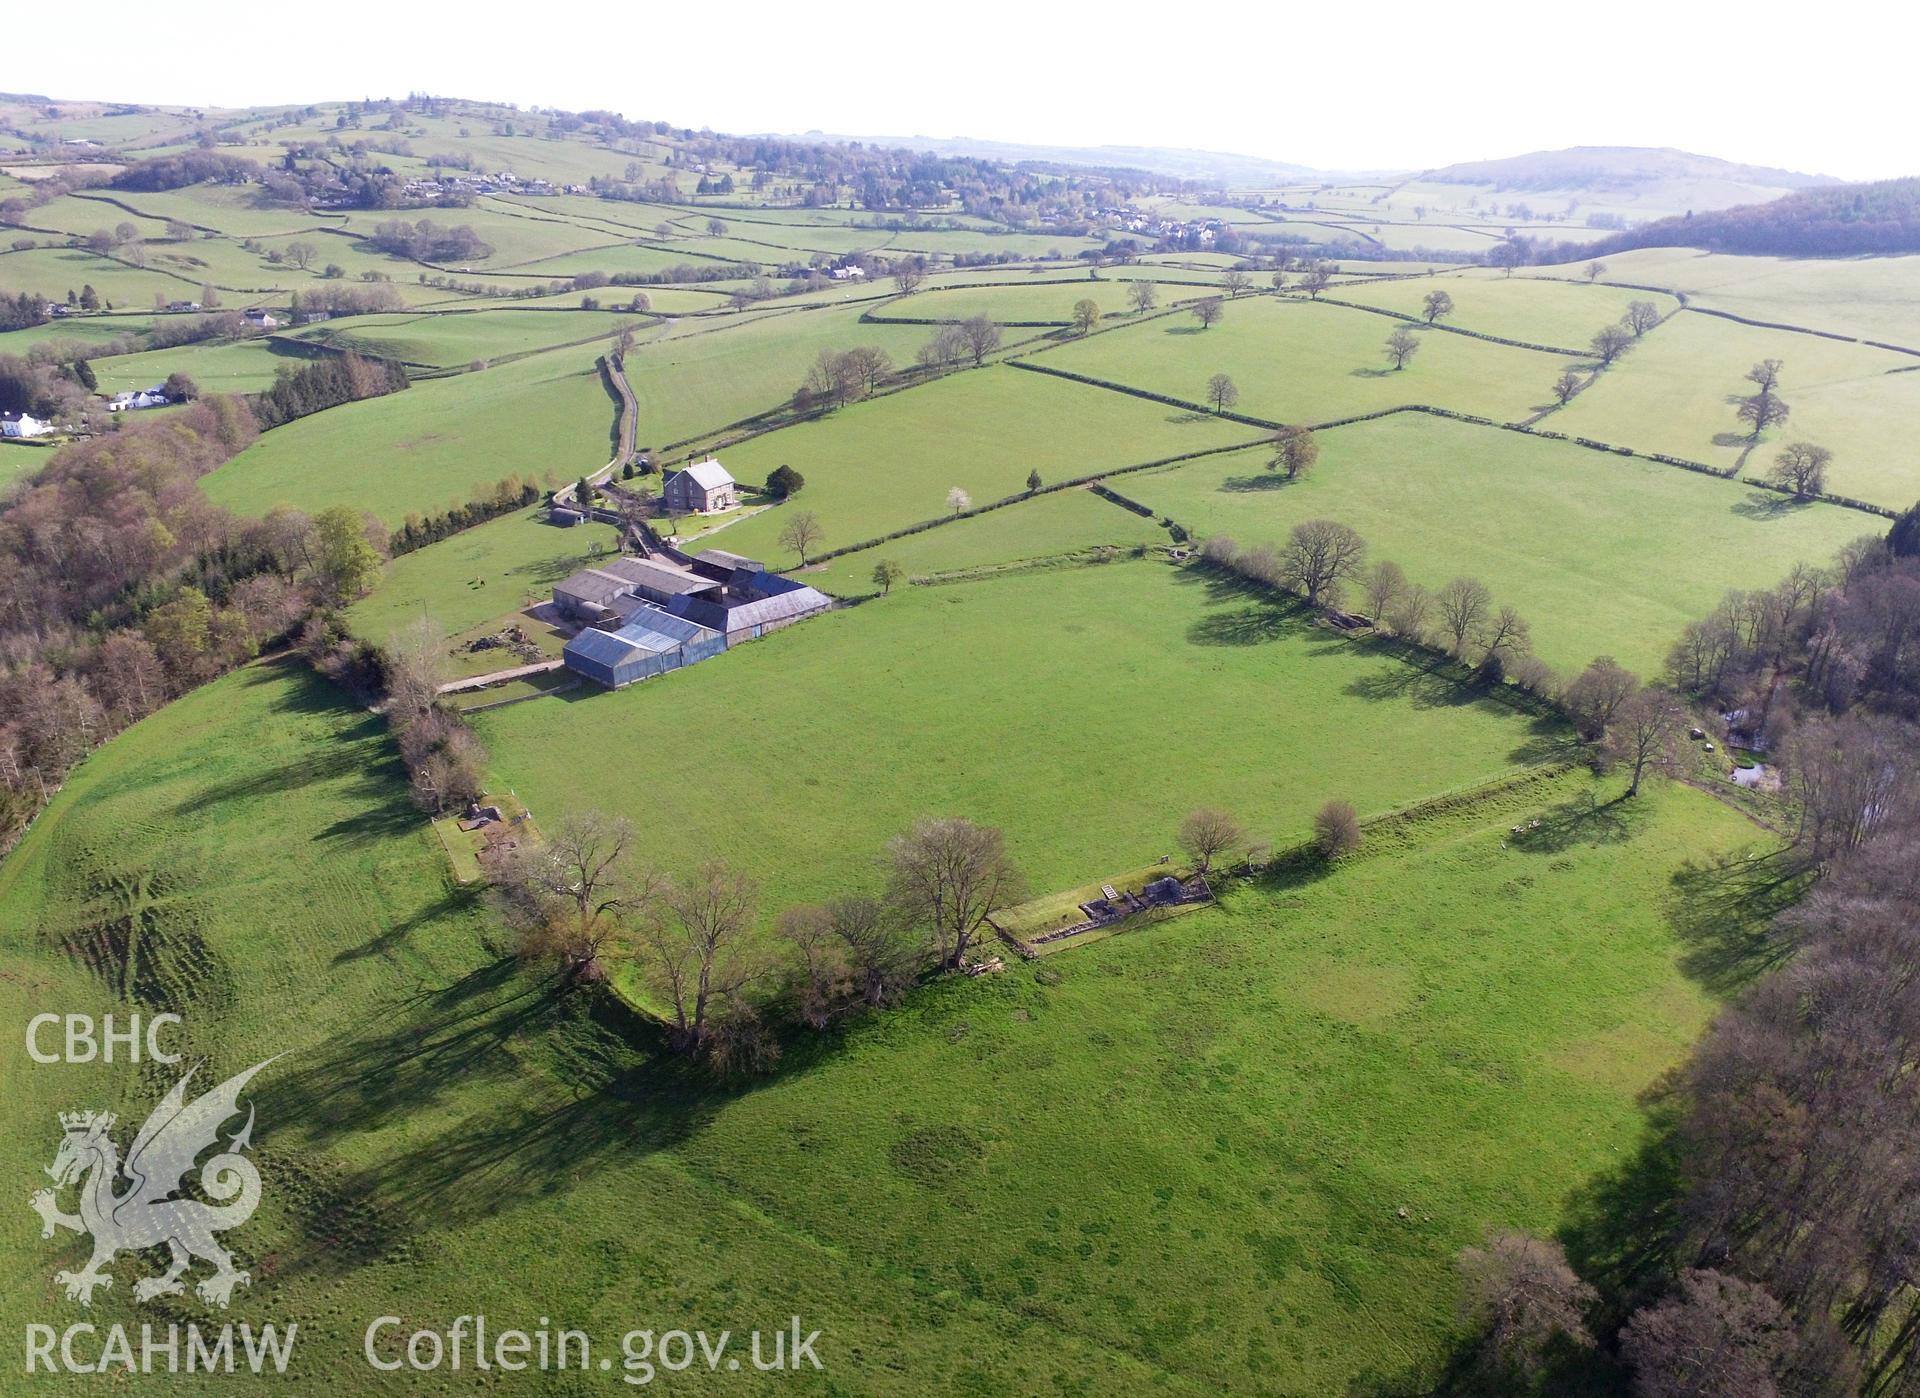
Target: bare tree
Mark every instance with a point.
(1222, 393)
(1610, 342)
(1522, 1295)
(579, 890)
(948, 876)
(1208, 312)
(1143, 296)
(1437, 305)
(1384, 584)
(1402, 345)
(301, 253)
(1766, 375)
(869, 366)
(1802, 468)
(1408, 617)
(1086, 315)
(946, 346)
(1295, 450)
(802, 533)
(1565, 387)
(1320, 555)
(981, 338)
(1234, 281)
(1595, 695)
(908, 273)
(1336, 830)
(1596, 270)
(1278, 281)
(1464, 604)
(694, 955)
(1645, 733)
(1506, 637)
(1761, 411)
(1206, 834)
(1641, 317)
(1318, 278)
(1719, 1335)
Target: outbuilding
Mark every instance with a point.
(650, 642)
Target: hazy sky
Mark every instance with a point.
(1346, 87)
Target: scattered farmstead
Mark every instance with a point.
(645, 616)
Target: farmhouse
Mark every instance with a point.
(138, 399)
(702, 488)
(23, 425)
(261, 320)
(645, 616)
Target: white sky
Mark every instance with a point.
(1390, 85)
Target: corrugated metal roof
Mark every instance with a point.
(654, 630)
(639, 572)
(601, 647)
(797, 601)
(720, 558)
(593, 585)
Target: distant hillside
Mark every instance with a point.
(1616, 168)
(1833, 221)
(1214, 167)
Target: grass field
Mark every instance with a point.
(1432, 1029)
(1676, 393)
(884, 464)
(443, 441)
(1084, 710)
(1561, 314)
(459, 338)
(1602, 554)
(18, 460)
(1297, 361)
(246, 366)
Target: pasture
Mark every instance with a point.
(1564, 315)
(1300, 361)
(1430, 1029)
(1602, 554)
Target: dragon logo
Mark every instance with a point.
(147, 1212)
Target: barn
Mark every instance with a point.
(651, 642)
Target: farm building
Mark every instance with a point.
(23, 425)
(702, 488)
(593, 595)
(138, 399)
(749, 608)
(651, 642)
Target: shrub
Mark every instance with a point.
(1336, 830)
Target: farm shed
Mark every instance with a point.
(775, 602)
(650, 643)
(594, 594)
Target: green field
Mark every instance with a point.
(1050, 303)
(1564, 315)
(1083, 710)
(459, 338)
(246, 366)
(881, 465)
(1602, 554)
(1674, 393)
(442, 441)
(1298, 361)
(439, 1121)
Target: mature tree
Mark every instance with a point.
(1222, 393)
(1641, 317)
(908, 273)
(1801, 467)
(1565, 387)
(802, 533)
(1595, 695)
(1903, 540)
(209, 296)
(181, 633)
(1766, 375)
(1208, 312)
(1596, 270)
(958, 501)
(947, 876)
(1720, 1335)
(1086, 315)
(344, 557)
(1278, 281)
(1521, 1295)
(1408, 616)
(1506, 637)
(869, 366)
(1336, 830)
(1143, 296)
(783, 481)
(1234, 281)
(886, 573)
(1610, 342)
(1645, 732)
(1206, 834)
(1320, 555)
(1855, 776)
(179, 387)
(715, 228)
(1318, 278)
(1295, 451)
(1437, 306)
(946, 347)
(573, 894)
(695, 955)
(1402, 345)
(834, 378)
(981, 338)
(1384, 584)
(1761, 411)
(301, 253)
(1033, 480)
(1463, 604)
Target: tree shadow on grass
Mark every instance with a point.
(1244, 626)
(1764, 505)
(1621, 1229)
(1724, 913)
(1252, 485)
(452, 902)
(1584, 820)
(1372, 373)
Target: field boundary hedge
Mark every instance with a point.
(1426, 324)
(1800, 330)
